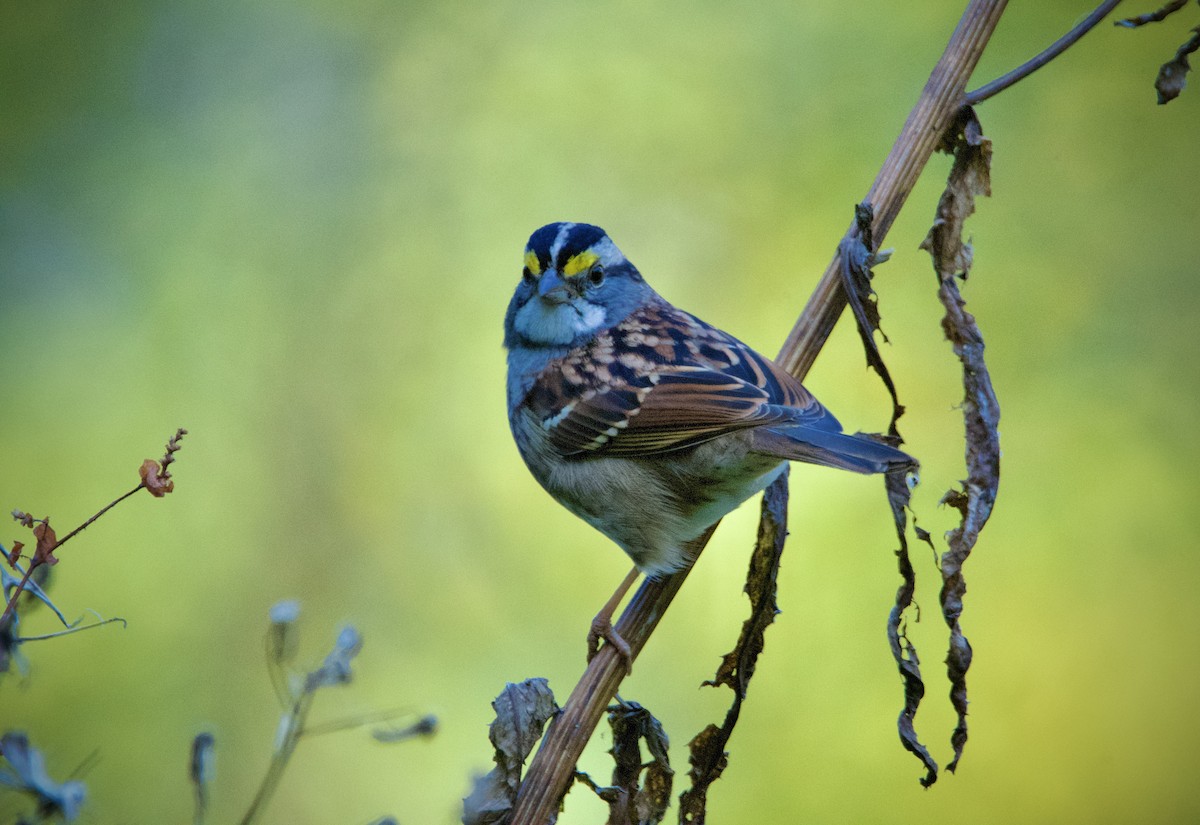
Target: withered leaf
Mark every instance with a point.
(521, 712)
(956, 499)
(708, 758)
(46, 542)
(903, 652)
(638, 800)
(857, 258)
(14, 555)
(707, 749)
(737, 666)
(157, 480)
(969, 177)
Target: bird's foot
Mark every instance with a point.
(602, 628)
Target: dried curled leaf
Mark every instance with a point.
(46, 542)
(632, 797)
(707, 749)
(155, 478)
(156, 475)
(903, 652)
(969, 177)
(857, 259)
(737, 667)
(708, 758)
(521, 712)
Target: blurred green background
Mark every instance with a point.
(294, 227)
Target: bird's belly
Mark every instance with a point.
(717, 497)
(716, 478)
(653, 506)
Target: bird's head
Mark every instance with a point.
(574, 284)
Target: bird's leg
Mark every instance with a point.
(602, 626)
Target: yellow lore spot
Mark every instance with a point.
(532, 263)
(579, 263)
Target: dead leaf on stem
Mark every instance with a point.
(707, 753)
(521, 712)
(969, 178)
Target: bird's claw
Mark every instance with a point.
(602, 628)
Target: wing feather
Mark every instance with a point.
(664, 380)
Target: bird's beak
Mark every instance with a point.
(552, 288)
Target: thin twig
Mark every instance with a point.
(38, 560)
(1156, 16)
(75, 628)
(551, 770)
(1052, 51)
(156, 478)
(103, 510)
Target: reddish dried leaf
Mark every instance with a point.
(14, 555)
(156, 479)
(46, 542)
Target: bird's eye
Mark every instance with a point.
(596, 275)
(527, 276)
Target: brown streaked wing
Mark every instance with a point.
(710, 384)
(716, 349)
(678, 410)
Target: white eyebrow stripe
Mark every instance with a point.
(559, 241)
(607, 251)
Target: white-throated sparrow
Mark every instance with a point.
(640, 418)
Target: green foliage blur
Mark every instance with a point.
(293, 228)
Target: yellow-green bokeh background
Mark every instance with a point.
(293, 228)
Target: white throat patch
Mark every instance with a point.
(558, 323)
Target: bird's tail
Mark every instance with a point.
(857, 452)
